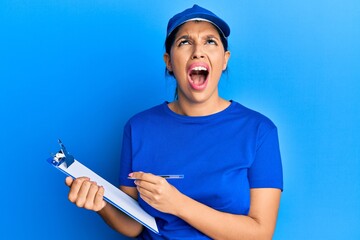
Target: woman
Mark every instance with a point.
(228, 154)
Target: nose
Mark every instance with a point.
(198, 52)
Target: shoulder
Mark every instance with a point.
(252, 117)
(254, 123)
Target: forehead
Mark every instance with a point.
(198, 27)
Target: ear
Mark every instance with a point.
(226, 59)
(167, 61)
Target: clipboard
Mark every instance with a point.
(66, 163)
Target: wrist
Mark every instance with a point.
(103, 209)
(180, 204)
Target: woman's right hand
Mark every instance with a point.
(85, 193)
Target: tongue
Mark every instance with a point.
(198, 79)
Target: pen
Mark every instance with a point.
(170, 176)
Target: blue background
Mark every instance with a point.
(77, 70)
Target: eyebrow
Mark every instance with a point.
(182, 37)
(187, 37)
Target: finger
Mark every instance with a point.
(136, 175)
(148, 177)
(145, 185)
(154, 187)
(69, 181)
(144, 192)
(75, 187)
(99, 202)
(82, 194)
(90, 197)
(146, 199)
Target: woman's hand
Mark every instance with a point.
(85, 193)
(156, 191)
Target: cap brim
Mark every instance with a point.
(205, 20)
(217, 22)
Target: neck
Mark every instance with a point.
(198, 109)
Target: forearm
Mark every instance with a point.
(220, 225)
(120, 222)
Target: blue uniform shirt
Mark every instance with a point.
(222, 156)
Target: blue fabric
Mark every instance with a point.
(197, 12)
(222, 156)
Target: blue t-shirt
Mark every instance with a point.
(222, 156)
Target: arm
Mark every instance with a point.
(258, 224)
(89, 195)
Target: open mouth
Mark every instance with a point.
(198, 77)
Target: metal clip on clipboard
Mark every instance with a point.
(62, 156)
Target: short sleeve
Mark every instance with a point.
(126, 158)
(266, 169)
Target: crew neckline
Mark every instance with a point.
(196, 118)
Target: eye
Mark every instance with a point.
(211, 41)
(184, 42)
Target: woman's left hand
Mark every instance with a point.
(156, 191)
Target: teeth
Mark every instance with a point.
(199, 68)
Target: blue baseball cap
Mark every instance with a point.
(197, 13)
